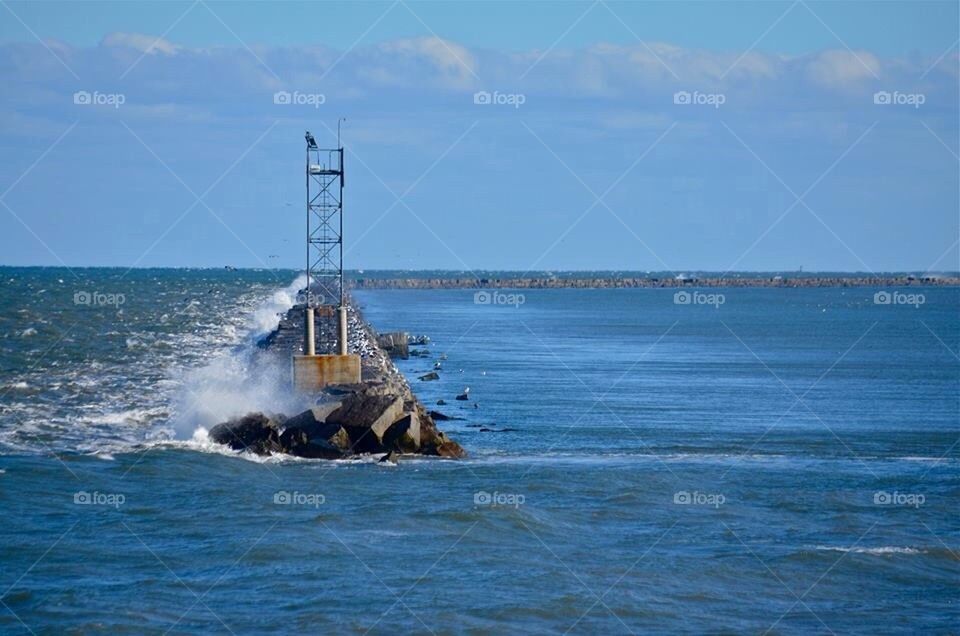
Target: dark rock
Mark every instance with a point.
(438, 444)
(433, 375)
(254, 432)
(404, 434)
(463, 397)
(440, 402)
(366, 417)
(308, 435)
(338, 391)
(442, 417)
(450, 448)
(390, 458)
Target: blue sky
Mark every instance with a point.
(630, 135)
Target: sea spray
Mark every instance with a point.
(266, 317)
(243, 379)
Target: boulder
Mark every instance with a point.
(450, 448)
(366, 417)
(436, 443)
(338, 391)
(427, 377)
(312, 416)
(390, 458)
(308, 435)
(255, 432)
(404, 434)
(463, 397)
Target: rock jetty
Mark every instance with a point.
(380, 415)
(618, 282)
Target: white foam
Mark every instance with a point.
(266, 317)
(234, 383)
(887, 549)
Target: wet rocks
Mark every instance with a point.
(309, 435)
(404, 434)
(379, 415)
(428, 377)
(366, 416)
(390, 458)
(255, 432)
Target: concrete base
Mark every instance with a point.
(312, 373)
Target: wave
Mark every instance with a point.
(887, 549)
(266, 317)
(242, 380)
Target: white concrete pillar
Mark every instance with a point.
(342, 330)
(311, 343)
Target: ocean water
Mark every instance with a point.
(778, 461)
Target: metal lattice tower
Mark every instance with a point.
(324, 239)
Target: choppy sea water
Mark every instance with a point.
(783, 462)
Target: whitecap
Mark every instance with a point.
(29, 331)
(887, 549)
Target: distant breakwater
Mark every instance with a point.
(635, 282)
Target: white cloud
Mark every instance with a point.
(452, 59)
(149, 44)
(839, 69)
